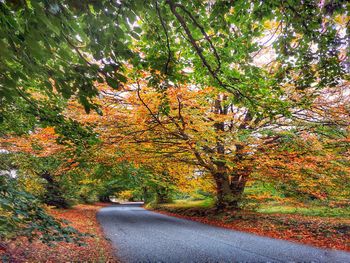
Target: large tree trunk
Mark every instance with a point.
(230, 188)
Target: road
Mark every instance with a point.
(139, 235)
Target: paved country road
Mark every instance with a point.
(139, 235)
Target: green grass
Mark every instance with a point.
(270, 208)
(321, 211)
(185, 203)
(273, 206)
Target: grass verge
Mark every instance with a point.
(312, 210)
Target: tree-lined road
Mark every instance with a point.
(139, 235)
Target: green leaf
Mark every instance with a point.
(113, 83)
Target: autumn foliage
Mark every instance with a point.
(83, 218)
(238, 102)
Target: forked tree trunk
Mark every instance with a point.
(230, 188)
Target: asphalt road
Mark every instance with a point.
(139, 235)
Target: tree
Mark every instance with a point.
(203, 128)
(40, 162)
(221, 44)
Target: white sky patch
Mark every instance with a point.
(266, 53)
(12, 173)
(79, 38)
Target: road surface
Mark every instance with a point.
(139, 235)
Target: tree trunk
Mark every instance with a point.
(230, 189)
(54, 194)
(104, 198)
(162, 195)
(147, 196)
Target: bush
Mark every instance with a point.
(22, 214)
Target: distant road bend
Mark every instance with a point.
(139, 235)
